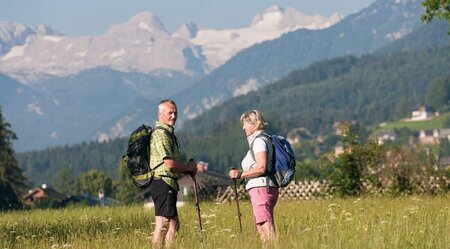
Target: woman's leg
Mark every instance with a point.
(266, 231)
(263, 206)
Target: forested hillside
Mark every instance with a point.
(369, 90)
(43, 166)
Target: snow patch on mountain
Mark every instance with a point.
(399, 34)
(118, 130)
(145, 26)
(52, 38)
(250, 86)
(117, 53)
(210, 102)
(35, 108)
(16, 51)
(16, 34)
(54, 135)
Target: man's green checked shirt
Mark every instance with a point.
(163, 146)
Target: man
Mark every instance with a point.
(164, 151)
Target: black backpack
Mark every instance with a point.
(137, 157)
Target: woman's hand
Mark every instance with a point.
(234, 174)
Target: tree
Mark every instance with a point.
(124, 189)
(93, 181)
(444, 148)
(345, 171)
(12, 181)
(355, 164)
(436, 9)
(439, 93)
(64, 181)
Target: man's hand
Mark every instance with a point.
(192, 165)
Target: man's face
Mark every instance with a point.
(168, 113)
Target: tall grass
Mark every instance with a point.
(406, 222)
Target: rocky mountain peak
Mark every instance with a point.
(143, 22)
(274, 9)
(44, 30)
(148, 18)
(268, 18)
(187, 31)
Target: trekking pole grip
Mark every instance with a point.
(233, 168)
(191, 173)
(238, 175)
(235, 186)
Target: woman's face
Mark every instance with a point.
(249, 128)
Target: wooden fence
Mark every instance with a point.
(303, 190)
(312, 190)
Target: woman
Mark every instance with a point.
(263, 192)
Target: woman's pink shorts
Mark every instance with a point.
(263, 203)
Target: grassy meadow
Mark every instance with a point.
(435, 123)
(403, 222)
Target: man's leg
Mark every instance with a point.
(174, 225)
(161, 224)
(166, 215)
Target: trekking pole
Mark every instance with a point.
(236, 197)
(197, 205)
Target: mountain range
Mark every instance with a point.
(61, 90)
(70, 89)
(141, 44)
(364, 32)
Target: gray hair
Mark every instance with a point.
(160, 105)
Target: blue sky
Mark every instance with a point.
(93, 17)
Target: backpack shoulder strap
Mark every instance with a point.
(174, 140)
(170, 134)
(268, 139)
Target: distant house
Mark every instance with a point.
(41, 193)
(429, 136)
(385, 136)
(421, 114)
(298, 134)
(433, 136)
(89, 200)
(44, 192)
(444, 134)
